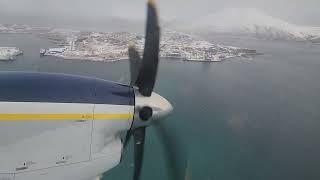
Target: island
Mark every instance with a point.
(9, 53)
(113, 46)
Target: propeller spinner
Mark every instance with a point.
(149, 106)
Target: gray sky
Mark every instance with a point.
(304, 12)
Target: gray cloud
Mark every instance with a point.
(295, 11)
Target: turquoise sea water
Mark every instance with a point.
(240, 119)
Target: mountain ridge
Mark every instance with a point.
(252, 22)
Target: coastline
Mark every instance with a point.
(101, 59)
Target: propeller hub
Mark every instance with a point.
(145, 113)
(150, 109)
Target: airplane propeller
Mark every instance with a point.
(143, 74)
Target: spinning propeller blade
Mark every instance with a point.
(149, 67)
(143, 76)
(168, 144)
(139, 136)
(135, 64)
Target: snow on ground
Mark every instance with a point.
(9, 53)
(112, 46)
(252, 21)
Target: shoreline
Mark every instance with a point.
(100, 59)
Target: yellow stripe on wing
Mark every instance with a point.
(112, 116)
(62, 117)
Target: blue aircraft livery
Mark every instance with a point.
(62, 88)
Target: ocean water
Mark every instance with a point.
(241, 119)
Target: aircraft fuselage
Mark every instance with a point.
(57, 126)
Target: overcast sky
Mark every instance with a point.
(304, 12)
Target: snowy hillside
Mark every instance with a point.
(253, 22)
(14, 28)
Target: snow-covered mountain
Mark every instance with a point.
(253, 22)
